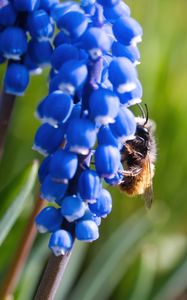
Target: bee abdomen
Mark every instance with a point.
(132, 185)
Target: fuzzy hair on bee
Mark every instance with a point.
(138, 157)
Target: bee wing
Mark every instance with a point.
(134, 171)
(148, 187)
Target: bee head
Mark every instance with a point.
(142, 132)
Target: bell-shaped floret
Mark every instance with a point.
(75, 114)
(48, 139)
(117, 178)
(105, 137)
(57, 108)
(96, 42)
(86, 231)
(88, 6)
(39, 25)
(103, 106)
(16, 79)
(13, 42)
(81, 135)
(26, 5)
(89, 185)
(103, 206)
(122, 74)
(107, 160)
(7, 13)
(117, 11)
(60, 9)
(44, 168)
(130, 52)
(127, 31)
(40, 52)
(62, 54)
(108, 3)
(63, 165)
(71, 77)
(73, 208)
(49, 219)
(133, 97)
(60, 39)
(53, 191)
(60, 242)
(124, 127)
(47, 5)
(73, 24)
(88, 215)
(31, 65)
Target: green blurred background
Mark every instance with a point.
(141, 255)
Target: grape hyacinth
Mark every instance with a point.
(26, 29)
(85, 117)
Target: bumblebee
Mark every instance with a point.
(138, 159)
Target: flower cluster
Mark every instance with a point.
(26, 27)
(86, 117)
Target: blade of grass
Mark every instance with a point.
(146, 276)
(33, 270)
(175, 285)
(23, 189)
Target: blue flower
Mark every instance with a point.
(103, 206)
(133, 97)
(72, 208)
(53, 191)
(107, 160)
(127, 31)
(13, 42)
(62, 54)
(63, 165)
(105, 137)
(48, 139)
(16, 79)
(73, 24)
(56, 108)
(107, 111)
(130, 52)
(39, 25)
(49, 219)
(122, 75)
(60, 242)
(113, 13)
(26, 5)
(81, 135)
(8, 14)
(96, 42)
(71, 77)
(89, 185)
(48, 4)
(124, 127)
(86, 230)
(92, 81)
(36, 48)
(44, 168)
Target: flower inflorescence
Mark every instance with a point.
(86, 117)
(26, 29)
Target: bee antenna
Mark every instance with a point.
(147, 114)
(142, 111)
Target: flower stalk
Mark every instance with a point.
(52, 276)
(56, 266)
